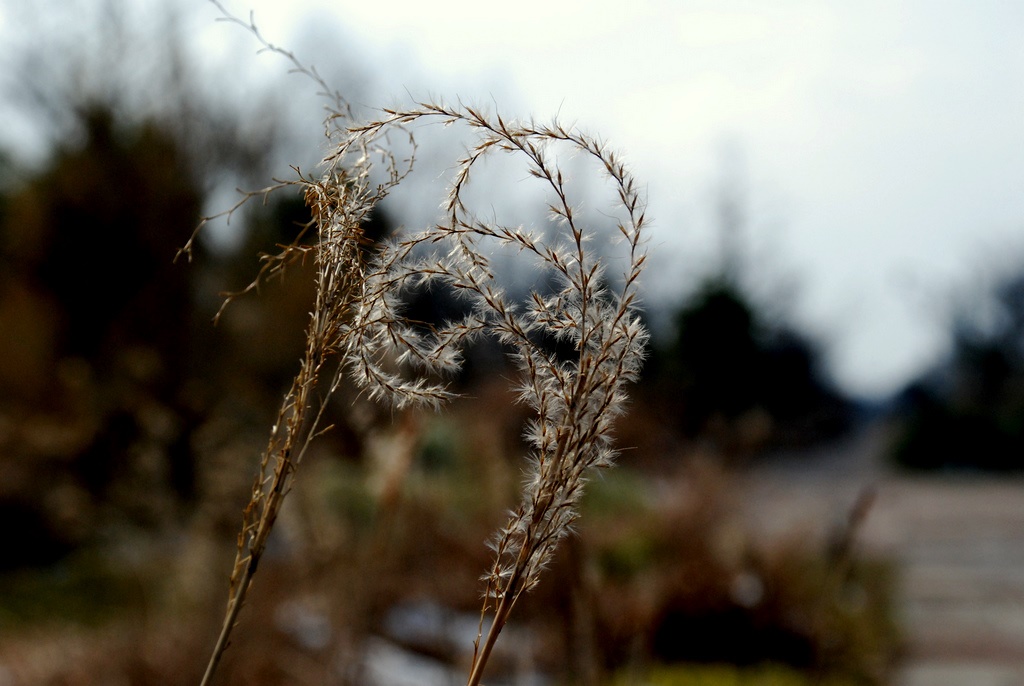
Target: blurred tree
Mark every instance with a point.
(733, 372)
(714, 356)
(108, 363)
(95, 231)
(970, 413)
(89, 242)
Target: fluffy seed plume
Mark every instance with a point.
(357, 322)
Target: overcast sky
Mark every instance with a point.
(879, 145)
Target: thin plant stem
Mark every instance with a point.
(501, 614)
(225, 631)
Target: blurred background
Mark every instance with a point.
(821, 472)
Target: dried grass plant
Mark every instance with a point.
(357, 329)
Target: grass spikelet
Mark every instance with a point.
(357, 329)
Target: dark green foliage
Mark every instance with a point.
(971, 414)
(90, 239)
(729, 364)
(716, 354)
(109, 218)
(730, 634)
(34, 541)
(80, 589)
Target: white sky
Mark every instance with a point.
(880, 143)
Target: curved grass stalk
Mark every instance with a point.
(357, 323)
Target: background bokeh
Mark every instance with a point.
(835, 292)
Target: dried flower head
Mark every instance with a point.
(358, 320)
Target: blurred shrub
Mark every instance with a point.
(663, 572)
(687, 585)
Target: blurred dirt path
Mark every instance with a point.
(959, 541)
